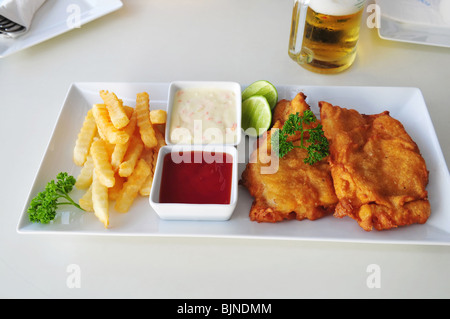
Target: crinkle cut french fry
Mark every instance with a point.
(100, 133)
(159, 138)
(115, 108)
(106, 127)
(102, 165)
(113, 192)
(118, 155)
(143, 120)
(151, 159)
(84, 139)
(100, 200)
(158, 117)
(84, 179)
(86, 200)
(128, 111)
(147, 186)
(131, 187)
(131, 127)
(147, 156)
(131, 157)
(161, 143)
(109, 149)
(155, 159)
(161, 128)
(121, 149)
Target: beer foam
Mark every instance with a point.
(336, 7)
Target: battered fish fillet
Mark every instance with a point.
(378, 172)
(284, 108)
(287, 188)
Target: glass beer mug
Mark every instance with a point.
(324, 34)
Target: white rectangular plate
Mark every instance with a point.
(403, 32)
(52, 20)
(405, 104)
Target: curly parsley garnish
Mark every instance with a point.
(318, 147)
(43, 207)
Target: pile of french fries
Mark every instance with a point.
(117, 148)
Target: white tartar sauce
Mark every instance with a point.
(203, 116)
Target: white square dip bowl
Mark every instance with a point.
(204, 112)
(187, 211)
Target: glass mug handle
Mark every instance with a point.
(296, 52)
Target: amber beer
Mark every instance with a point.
(330, 35)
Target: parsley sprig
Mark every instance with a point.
(43, 207)
(318, 147)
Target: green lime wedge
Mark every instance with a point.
(256, 115)
(264, 88)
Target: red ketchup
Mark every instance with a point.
(197, 179)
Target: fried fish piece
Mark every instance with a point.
(287, 188)
(378, 172)
(284, 108)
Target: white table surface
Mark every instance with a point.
(162, 41)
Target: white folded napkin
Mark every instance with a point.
(19, 11)
(433, 13)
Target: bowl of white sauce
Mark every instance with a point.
(204, 112)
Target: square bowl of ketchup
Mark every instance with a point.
(195, 182)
